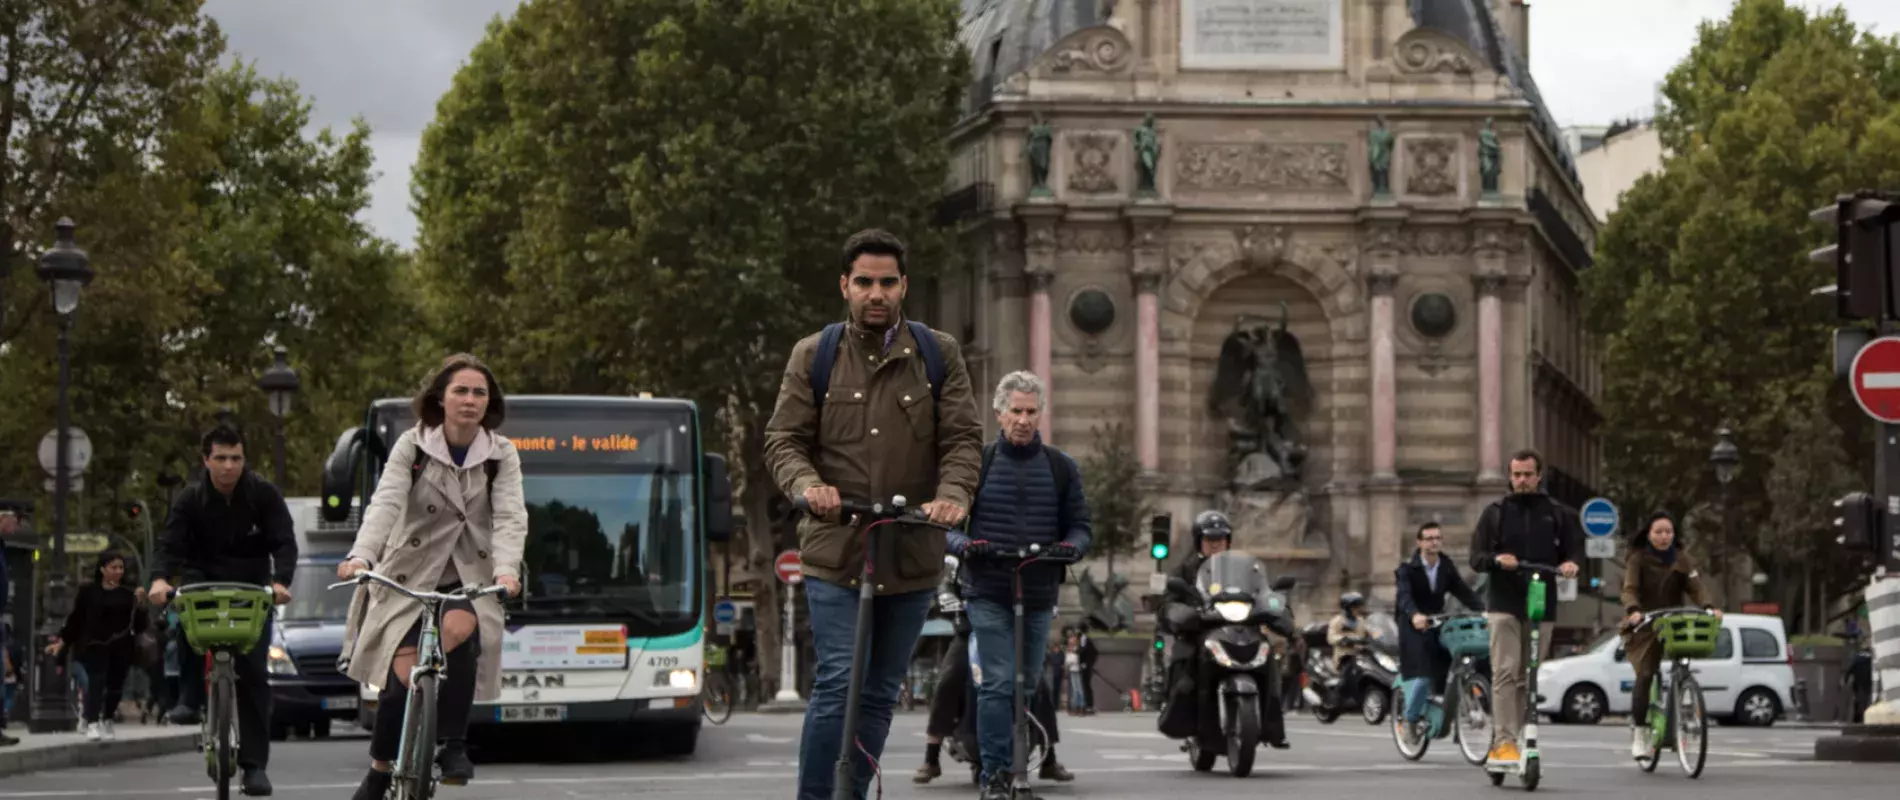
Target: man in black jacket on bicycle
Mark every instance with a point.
(231, 526)
(1027, 493)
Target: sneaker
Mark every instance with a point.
(457, 770)
(1504, 753)
(184, 715)
(1639, 742)
(997, 787)
(374, 786)
(105, 730)
(8, 741)
(1054, 771)
(93, 732)
(927, 773)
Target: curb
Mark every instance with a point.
(25, 758)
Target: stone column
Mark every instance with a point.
(1385, 379)
(1039, 267)
(1148, 250)
(1490, 377)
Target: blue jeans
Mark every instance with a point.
(1418, 694)
(1078, 699)
(994, 624)
(896, 621)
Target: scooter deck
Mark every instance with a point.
(1512, 767)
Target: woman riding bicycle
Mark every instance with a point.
(447, 512)
(1656, 574)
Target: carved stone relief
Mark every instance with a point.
(1437, 241)
(1237, 165)
(1262, 247)
(1092, 168)
(1421, 52)
(1090, 241)
(1095, 50)
(1429, 163)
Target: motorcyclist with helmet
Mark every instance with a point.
(1347, 636)
(1213, 534)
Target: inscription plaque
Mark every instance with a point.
(1262, 34)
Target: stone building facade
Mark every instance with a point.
(1433, 296)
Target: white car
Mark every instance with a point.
(1750, 685)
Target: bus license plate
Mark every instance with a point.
(339, 703)
(531, 713)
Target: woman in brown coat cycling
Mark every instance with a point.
(1656, 574)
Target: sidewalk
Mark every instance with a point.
(38, 752)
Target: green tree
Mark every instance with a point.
(1119, 508)
(1701, 290)
(216, 228)
(651, 195)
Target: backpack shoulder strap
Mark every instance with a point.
(822, 360)
(934, 368)
(982, 472)
(1059, 469)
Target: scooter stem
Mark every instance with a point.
(844, 781)
(1019, 755)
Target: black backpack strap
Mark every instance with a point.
(822, 360)
(982, 472)
(934, 369)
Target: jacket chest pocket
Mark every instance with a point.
(920, 411)
(842, 419)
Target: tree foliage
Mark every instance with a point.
(1119, 508)
(1701, 292)
(216, 227)
(650, 195)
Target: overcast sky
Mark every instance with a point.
(390, 61)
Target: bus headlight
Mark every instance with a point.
(280, 663)
(677, 679)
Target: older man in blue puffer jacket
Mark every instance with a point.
(1028, 493)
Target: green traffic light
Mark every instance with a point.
(1160, 645)
(1160, 552)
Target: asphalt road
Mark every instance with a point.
(1113, 756)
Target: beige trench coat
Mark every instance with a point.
(411, 534)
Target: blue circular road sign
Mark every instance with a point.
(725, 612)
(1599, 517)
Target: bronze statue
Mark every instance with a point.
(1104, 605)
(1379, 149)
(1147, 156)
(1038, 145)
(1261, 389)
(1489, 161)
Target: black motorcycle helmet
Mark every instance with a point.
(1351, 600)
(1211, 524)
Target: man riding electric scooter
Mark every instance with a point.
(1212, 535)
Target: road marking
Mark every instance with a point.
(760, 738)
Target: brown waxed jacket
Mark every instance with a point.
(878, 438)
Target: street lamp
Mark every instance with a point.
(1725, 456)
(280, 383)
(66, 269)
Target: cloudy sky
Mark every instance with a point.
(389, 61)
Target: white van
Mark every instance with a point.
(1751, 685)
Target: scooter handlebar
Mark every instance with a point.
(894, 508)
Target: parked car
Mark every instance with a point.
(307, 692)
(1752, 684)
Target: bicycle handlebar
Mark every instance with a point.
(367, 576)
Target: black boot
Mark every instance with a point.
(256, 783)
(373, 787)
(457, 770)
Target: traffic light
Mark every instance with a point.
(1862, 254)
(1857, 523)
(1160, 530)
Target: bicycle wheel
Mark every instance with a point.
(1692, 728)
(1472, 724)
(716, 701)
(415, 765)
(223, 715)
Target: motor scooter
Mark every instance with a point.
(1369, 689)
(1235, 665)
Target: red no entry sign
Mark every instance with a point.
(788, 567)
(1876, 379)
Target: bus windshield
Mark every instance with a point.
(612, 492)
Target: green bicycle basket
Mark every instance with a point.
(1465, 636)
(223, 615)
(1687, 635)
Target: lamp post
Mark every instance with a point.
(65, 269)
(280, 383)
(1725, 456)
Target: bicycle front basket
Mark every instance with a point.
(1687, 635)
(223, 616)
(1465, 636)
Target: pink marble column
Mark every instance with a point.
(1490, 377)
(1385, 379)
(1148, 371)
(1040, 356)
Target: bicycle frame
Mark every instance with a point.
(219, 731)
(1664, 704)
(413, 775)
